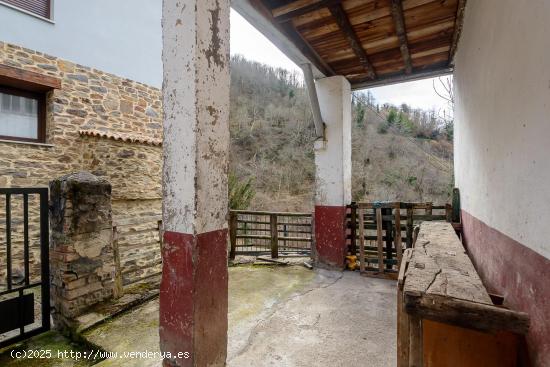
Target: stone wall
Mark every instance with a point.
(96, 122)
(82, 262)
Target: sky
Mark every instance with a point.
(249, 42)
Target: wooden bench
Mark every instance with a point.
(445, 315)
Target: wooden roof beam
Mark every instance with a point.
(401, 78)
(399, 21)
(287, 31)
(28, 80)
(288, 12)
(342, 20)
(461, 6)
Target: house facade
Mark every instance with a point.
(80, 91)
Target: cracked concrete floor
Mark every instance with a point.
(284, 316)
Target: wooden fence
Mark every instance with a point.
(378, 232)
(258, 232)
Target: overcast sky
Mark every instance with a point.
(250, 43)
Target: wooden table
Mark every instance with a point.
(445, 314)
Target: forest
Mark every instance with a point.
(398, 153)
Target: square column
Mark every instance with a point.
(333, 171)
(193, 295)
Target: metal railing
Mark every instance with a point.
(25, 209)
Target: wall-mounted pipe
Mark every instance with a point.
(314, 100)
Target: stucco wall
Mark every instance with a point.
(122, 37)
(333, 157)
(502, 128)
(502, 151)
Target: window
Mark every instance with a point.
(22, 115)
(42, 8)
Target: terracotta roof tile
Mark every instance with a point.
(129, 138)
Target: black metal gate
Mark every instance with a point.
(24, 287)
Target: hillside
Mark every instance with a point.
(272, 145)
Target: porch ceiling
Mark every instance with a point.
(370, 42)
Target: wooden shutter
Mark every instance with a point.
(38, 7)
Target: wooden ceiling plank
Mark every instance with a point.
(288, 30)
(295, 37)
(342, 20)
(285, 9)
(282, 16)
(399, 20)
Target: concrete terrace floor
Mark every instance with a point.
(283, 316)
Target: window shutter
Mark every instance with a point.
(38, 7)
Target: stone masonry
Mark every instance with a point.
(81, 249)
(104, 124)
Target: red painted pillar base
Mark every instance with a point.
(330, 236)
(193, 299)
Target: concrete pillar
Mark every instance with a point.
(193, 296)
(333, 171)
(81, 255)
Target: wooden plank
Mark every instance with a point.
(415, 342)
(443, 285)
(402, 331)
(410, 213)
(399, 20)
(456, 205)
(361, 242)
(402, 316)
(232, 234)
(452, 346)
(397, 240)
(299, 8)
(343, 22)
(274, 236)
(463, 313)
(440, 266)
(294, 37)
(353, 229)
(24, 79)
(400, 78)
(379, 241)
(403, 268)
(428, 209)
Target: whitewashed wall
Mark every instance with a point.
(122, 37)
(502, 129)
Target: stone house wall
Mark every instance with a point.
(96, 122)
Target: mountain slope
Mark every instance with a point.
(272, 143)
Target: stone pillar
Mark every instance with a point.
(193, 296)
(333, 172)
(81, 252)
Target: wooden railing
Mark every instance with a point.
(260, 232)
(378, 232)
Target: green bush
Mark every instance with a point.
(240, 193)
(383, 128)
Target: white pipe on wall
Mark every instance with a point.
(314, 100)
